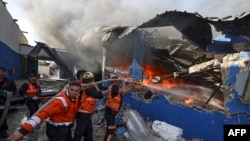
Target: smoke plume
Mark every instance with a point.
(61, 24)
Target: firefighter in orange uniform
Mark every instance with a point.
(59, 112)
(31, 90)
(84, 127)
(113, 105)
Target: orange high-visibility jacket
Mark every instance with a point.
(60, 111)
(32, 90)
(87, 103)
(114, 102)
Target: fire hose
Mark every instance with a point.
(100, 82)
(43, 97)
(83, 86)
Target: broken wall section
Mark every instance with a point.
(235, 75)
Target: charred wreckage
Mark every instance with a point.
(195, 62)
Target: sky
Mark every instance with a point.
(61, 24)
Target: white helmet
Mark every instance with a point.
(88, 75)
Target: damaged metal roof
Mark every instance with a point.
(41, 50)
(237, 25)
(193, 26)
(197, 29)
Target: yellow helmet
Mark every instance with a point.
(88, 75)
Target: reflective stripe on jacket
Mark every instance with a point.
(113, 102)
(60, 111)
(32, 90)
(87, 103)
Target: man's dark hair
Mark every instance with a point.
(2, 68)
(79, 73)
(74, 84)
(32, 75)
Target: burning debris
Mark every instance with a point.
(167, 70)
(180, 69)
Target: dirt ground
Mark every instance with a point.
(17, 116)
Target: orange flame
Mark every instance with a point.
(148, 72)
(166, 83)
(188, 101)
(171, 83)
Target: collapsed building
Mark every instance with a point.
(198, 81)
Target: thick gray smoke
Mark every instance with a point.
(60, 24)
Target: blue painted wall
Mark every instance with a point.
(202, 124)
(235, 105)
(10, 59)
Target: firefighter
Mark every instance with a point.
(89, 96)
(59, 112)
(31, 90)
(7, 85)
(79, 75)
(113, 105)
